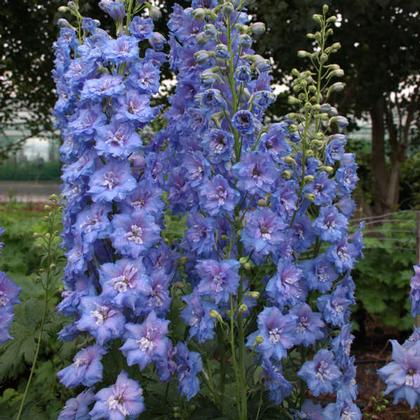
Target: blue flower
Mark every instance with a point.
(141, 28)
(216, 196)
(309, 325)
(219, 145)
(93, 223)
(276, 384)
(122, 282)
(334, 307)
(196, 315)
(103, 87)
(117, 140)
(112, 182)
(200, 234)
(331, 225)
(319, 273)
(274, 142)
(322, 188)
(157, 41)
(402, 374)
(119, 401)
(145, 77)
(78, 408)
(276, 332)
(335, 148)
(146, 342)
(342, 410)
(135, 107)
(218, 280)
(321, 374)
(86, 368)
(244, 122)
(188, 366)
(286, 286)
(124, 49)
(114, 8)
(255, 173)
(311, 411)
(263, 232)
(100, 319)
(135, 233)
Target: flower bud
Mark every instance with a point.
(243, 308)
(203, 56)
(222, 51)
(337, 73)
(289, 160)
(308, 179)
(245, 41)
(215, 315)
(325, 9)
(317, 18)
(63, 9)
(258, 28)
(228, 9)
(287, 174)
(63, 23)
(199, 13)
(303, 54)
(254, 294)
(327, 169)
(310, 197)
(292, 100)
(259, 340)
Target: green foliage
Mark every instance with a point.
(383, 276)
(35, 351)
(410, 182)
(28, 171)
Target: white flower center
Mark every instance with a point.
(135, 235)
(275, 335)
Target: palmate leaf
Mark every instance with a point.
(15, 353)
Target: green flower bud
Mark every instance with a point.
(292, 100)
(215, 315)
(327, 169)
(287, 174)
(199, 13)
(325, 9)
(259, 340)
(254, 294)
(317, 18)
(63, 9)
(310, 197)
(243, 308)
(289, 160)
(303, 54)
(308, 179)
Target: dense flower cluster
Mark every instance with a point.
(266, 218)
(9, 296)
(119, 270)
(402, 374)
(266, 256)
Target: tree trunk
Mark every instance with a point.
(378, 164)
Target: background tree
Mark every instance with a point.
(380, 55)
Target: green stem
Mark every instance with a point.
(233, 351)
(28, 384)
